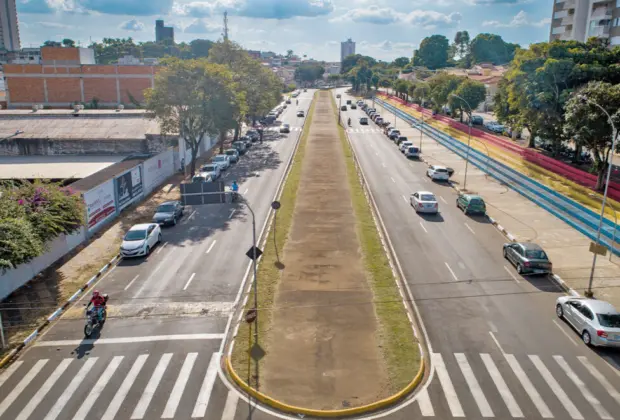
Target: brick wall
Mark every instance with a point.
(60, 53)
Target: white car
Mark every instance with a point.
(438, 173)
(597, 321)
(140, 240)
(222, 160)
(405, 145)
(212, 169)
(424, 202)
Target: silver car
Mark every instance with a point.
(528, 258)
(597, 321)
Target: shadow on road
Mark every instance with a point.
(432, 218)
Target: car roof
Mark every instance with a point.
(438, 167)
(169, 202)
(425, 192)
(141, 226)
(530, 246)
(231, 150)
(600, 306)
(470, 196)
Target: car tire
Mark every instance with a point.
(159, 238)
(174, 221)
(585, 336)
(148, 251)
(519, 269)
(505, 253)
(559, 311)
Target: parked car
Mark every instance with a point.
(301, 113)
(471, 204)
(348, 101)
(393, 133)
(412, 152)
(495, 127)
(168, 213)
(508, 133)
(222, 160)
(285, 128)
(400, 139)
(527, 257)
(232, 154)
(338, 96)
(202, 177)
(597, 321)
(424, 202)
(288, 101)
(438, 173)
(246, 140)
(343, 108)
(140, 240)
(477, 120)
(404, 146)
(353, 106)
(240, 147)
(212, 170)
(253, 135)
(379, 120)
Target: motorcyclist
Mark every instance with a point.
(235, 189)
(297, 102)
(98, 301)
(349, 122)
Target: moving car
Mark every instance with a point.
(353, 106)
(363, 121)
(338, 96)
(239, 146)
(222, 160)
(527, 257)
(288, 101)
(212, 170)
(437, 173)
(232, 154)
(285, 128)
(471, 204)
(168, 213)
(348, 101)
(301, 113)
(597, 321)
(140, 240)
(412, 152)
(343, 108)
(424, 202)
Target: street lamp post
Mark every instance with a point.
(422, 123)
(614, 139)
(468, 140)
(339, 109)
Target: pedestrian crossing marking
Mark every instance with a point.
(364, 130)
(599, 377)
(502, 387)
(424, 400)
(70, 390)
(151, 387)
(446, 384)
(528, 386)
(9, 371)
(45, 388)
(179, 386)
(555, 387)
(98, 388)
(22, 385)
(122, 392)
(230, 407)
(200, 409)
(474, 386)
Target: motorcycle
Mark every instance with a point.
(92, 319)
(349, 122)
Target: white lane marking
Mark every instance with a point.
(159, 250)
(125, 340)
(581, 386)
(443, 199)
(189, 281)
(200, 409)
(70, 390)
(211, 246)
(470, 229)
(131, 282)
(179, 386)
(9, 371)
(191, 215)
(422, 225)
(383, 165)
(564, 332)
(451, 272)
(599, 377)
(446, 383)
(96, 390)
(555, 387)
(497, 342)
(424, 401)
(405, 198)
(19, 388)
(151, 387)
(511, 275)
(230, 407)
(231, 213)
(474, 386)
(393, 180)
(500, 384)
(492, 326)
(122, 392)
(245, 192)
(45, 388)
(529, 388)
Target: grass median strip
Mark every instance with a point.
(268, 273)
(398, 344)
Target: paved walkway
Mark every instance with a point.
(567, 248)
(322, 348)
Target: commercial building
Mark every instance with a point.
(581, 19)
(347, 48)
(163, 33)
(9, 30)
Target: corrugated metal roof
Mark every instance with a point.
(54, 166)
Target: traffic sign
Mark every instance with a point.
(598, 249)
(252, 250)
(257, 352)
(275, 205)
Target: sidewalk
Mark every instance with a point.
(567, 248)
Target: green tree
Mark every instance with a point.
(441, 86)
(433, 52)
(289, 54)
(461, 41)
(351, 61)
(422, 92)
(309, 72)
(471, 91)
(400, 62)
(200, 47)
(52, 44)
(589, 125)
(68, 42)
(491, 48)
(19, 243)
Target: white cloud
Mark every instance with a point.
(53, 25)
(496, 2)
(426, 19)
(430, 19)
(519, 20)
(199, 26)
(262, 9)
(132, 25)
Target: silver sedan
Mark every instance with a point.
(597, 322)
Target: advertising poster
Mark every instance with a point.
(128, 187)
(157, 170)
(100, 205)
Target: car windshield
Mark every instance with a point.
(219, 158)
(208, 168)
(165, 208)
(427, 197)
(441, 170)
(609, 320)
(535, 254)
(135, 235)
(475, 201)
(230, 152)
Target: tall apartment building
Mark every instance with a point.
(347, 48)
(162, 32)
(9, 31)
(581, 19)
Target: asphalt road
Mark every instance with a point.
(497, 348)
(157, 356)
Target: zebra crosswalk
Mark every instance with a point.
(277, 129)
(364, 130)
(529, 386)
(167, 386)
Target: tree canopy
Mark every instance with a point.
(309, 72)
(491, 48)
(433, 52)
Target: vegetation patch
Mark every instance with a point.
(399, 347)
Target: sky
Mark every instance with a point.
(384, 29)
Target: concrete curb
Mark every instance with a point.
(8, 358)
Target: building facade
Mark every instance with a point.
(581, 19)
(163, 33)
(9, 30)
(347, 48)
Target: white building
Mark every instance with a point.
(581, 19)
(26, 56)
(9, 30)
(347, 48)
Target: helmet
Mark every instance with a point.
(95, 293)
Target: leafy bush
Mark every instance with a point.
(18, 243)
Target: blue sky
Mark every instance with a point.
(384, 29)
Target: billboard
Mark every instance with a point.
(157, 169)
(100, 205)
(128, 187)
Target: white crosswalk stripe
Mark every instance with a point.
(528, 386)
(45, 388)
(600, 378)
(98, 388)
(9, 371)
(70, 390)
(151, 387)
(501, 386)
(179, 386)
(6, 403)
(200, 408)
(446, 384)
(556, 388)
(122, 392)
(474, 386)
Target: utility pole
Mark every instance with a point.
(225, 34)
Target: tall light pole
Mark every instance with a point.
(614, 139)
(468, 139)
(422, 123)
